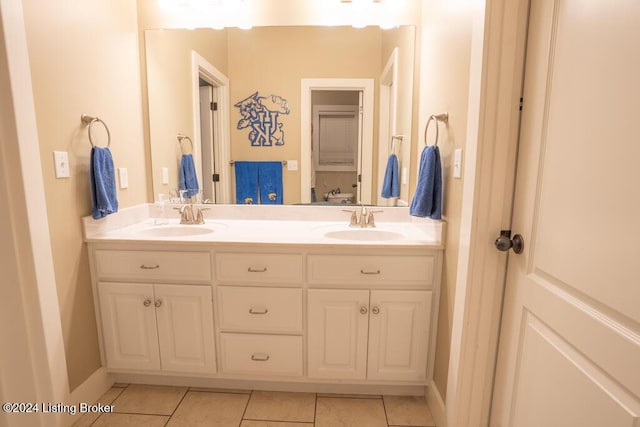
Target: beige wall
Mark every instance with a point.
(84, 60)
(170, 92)
(445, 53)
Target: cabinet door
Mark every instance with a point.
(398, 335)
(185, 328)
(129, 326)
(337, 333)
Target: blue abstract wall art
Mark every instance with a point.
(260, 114)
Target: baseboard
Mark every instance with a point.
(92, 388)
(306, 386)
(436, 405)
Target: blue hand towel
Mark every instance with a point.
(427, 200)
(103, 183)
(246, 183)
(188, 177)
(391, 183)
(270, 182)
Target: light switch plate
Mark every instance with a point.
(457, 163)
(61, 162)
(165, 175)
(405, 176)
(292, 165)
(124, 177)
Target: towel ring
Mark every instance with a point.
(444, 117)
(392, 145)
(181, 139)
(89, 120)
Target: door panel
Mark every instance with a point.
(558, 386)
(129, 326)
(337, 333)
(185, 328)
(570, 338)
(398, 335)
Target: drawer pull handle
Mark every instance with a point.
(147, 267)
(370, 272)
(260, 358)
(256, 270)
(375, 310)
(262, 311)
(147, 302)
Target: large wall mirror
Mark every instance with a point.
(281, 94)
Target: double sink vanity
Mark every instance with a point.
(278, 297)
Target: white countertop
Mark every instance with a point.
(282, 225)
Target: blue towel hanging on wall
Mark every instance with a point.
(103, 183)
(270, 182)
(427, 200)
(246, 183)
(188, 177)
(391, 182)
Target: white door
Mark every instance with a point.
(207, 143)
(129, 326)
(570, 340)
(337, 333)
(398, 335)
(185, 328)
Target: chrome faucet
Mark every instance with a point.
(189, 216)
(362, 218)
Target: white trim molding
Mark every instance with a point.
(436, 404)
(202, 68)
(366, 157)
(498, 43)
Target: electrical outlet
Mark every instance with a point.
(61, 162)
(292, 165)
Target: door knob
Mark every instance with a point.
(505, 242)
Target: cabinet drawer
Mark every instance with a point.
(259, 268)
(254, 309)
(371, 269)
(153, 265)
(261, 354)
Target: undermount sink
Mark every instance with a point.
(367, 234)
(175, 231)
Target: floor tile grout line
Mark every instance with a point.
(384, 407)
(315, 409)
(246, 405)
(178, 405)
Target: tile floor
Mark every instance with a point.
(147, 405)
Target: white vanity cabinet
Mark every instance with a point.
(151, 326)
(259, 312)
(374, 335)
(223, 310)
(157, 327)
(370, 316)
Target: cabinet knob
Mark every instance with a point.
(375, 310)
(147, 302)
(158, 303)
(363, 310)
